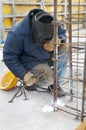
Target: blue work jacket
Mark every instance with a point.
(20, 53)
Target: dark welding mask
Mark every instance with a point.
(42, 27)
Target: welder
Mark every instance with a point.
(25, 52)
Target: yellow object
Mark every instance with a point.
(7, 9)
(8, 22)
(8, 81)
(82, 126)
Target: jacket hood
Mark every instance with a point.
(24, 26)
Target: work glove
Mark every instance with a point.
(49, 46)
(30, 79)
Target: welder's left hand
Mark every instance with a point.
(30, 79)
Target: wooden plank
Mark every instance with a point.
(22, 9)
(78, 0)
(27, 0)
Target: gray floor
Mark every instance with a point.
(30, 114)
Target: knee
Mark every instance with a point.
(50, 81)
(64, 47)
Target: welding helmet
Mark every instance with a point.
(42, 27)
(8, 81)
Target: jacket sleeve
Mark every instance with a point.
(62, 34)
(11, 52)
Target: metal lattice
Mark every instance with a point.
(75, 79)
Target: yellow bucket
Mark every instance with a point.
(8, 81)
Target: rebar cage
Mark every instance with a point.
(75, 79)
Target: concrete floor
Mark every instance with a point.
(30, 114)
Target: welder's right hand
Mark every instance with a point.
(30, 79)
(49, 46)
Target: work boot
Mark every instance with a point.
(61, 93)
(30, 88)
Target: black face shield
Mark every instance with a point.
(42, 27)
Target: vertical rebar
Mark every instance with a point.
(65, 13)
(55, 55)
(70, 41)
(77, 51)
(85, 15)
(84, 86)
